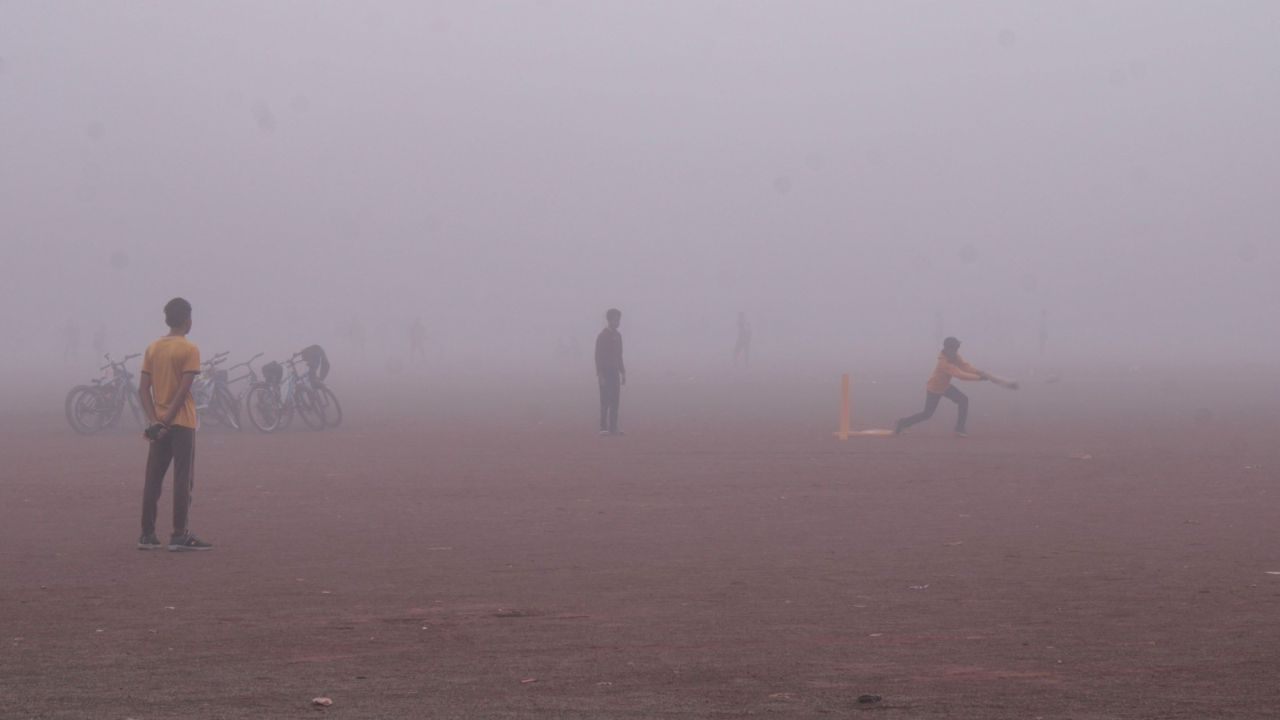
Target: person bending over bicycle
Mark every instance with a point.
(317, 362)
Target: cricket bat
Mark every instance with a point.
(1002, 382)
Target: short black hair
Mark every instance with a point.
(177, 312)
(613, 313)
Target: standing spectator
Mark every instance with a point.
(611, 372)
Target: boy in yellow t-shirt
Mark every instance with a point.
(168, 368)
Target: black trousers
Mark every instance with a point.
(178, 447)
(610, 398)
(931, 401)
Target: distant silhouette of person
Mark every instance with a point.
(70, 341)
(742, 346)
(417, 340)
(100, 341)
(1044, 330)
(611, 372)
(950, 365)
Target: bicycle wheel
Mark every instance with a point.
(96, 408)
(262, 405)
(208, 416)
(228, 408)
(287, 418)
(308, 407)
(214, 413)
(330, 405)
(78, 408)
(139, 417)
(111, 404)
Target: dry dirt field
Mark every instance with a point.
(1093, 550)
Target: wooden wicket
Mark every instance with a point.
(845, 432)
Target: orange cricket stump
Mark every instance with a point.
(844, 433)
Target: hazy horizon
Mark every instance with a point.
(842, 172)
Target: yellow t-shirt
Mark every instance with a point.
(166, 361)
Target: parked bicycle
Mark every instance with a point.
(317, 362)
(98, 405)
(272, 403)
(250, 374)
(212, 393)
(326, 401)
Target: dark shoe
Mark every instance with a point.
(897, 428)
(187, 543)
(149, 542)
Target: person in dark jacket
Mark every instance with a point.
(317, 361)
(611, 372)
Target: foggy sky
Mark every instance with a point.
(841, 171)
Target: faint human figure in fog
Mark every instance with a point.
(611, 372)
(950, 365)
(417, 341)
(100, 341)
(742, 345)
(70, 341)
(1044, 330)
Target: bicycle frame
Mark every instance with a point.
(119, 388)
(251, 375)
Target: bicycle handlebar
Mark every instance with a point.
(246, 363)
(112, 363)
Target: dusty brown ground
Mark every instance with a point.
(726, 559)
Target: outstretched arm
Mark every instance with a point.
(965, 371)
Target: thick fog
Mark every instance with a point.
(859, 178)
